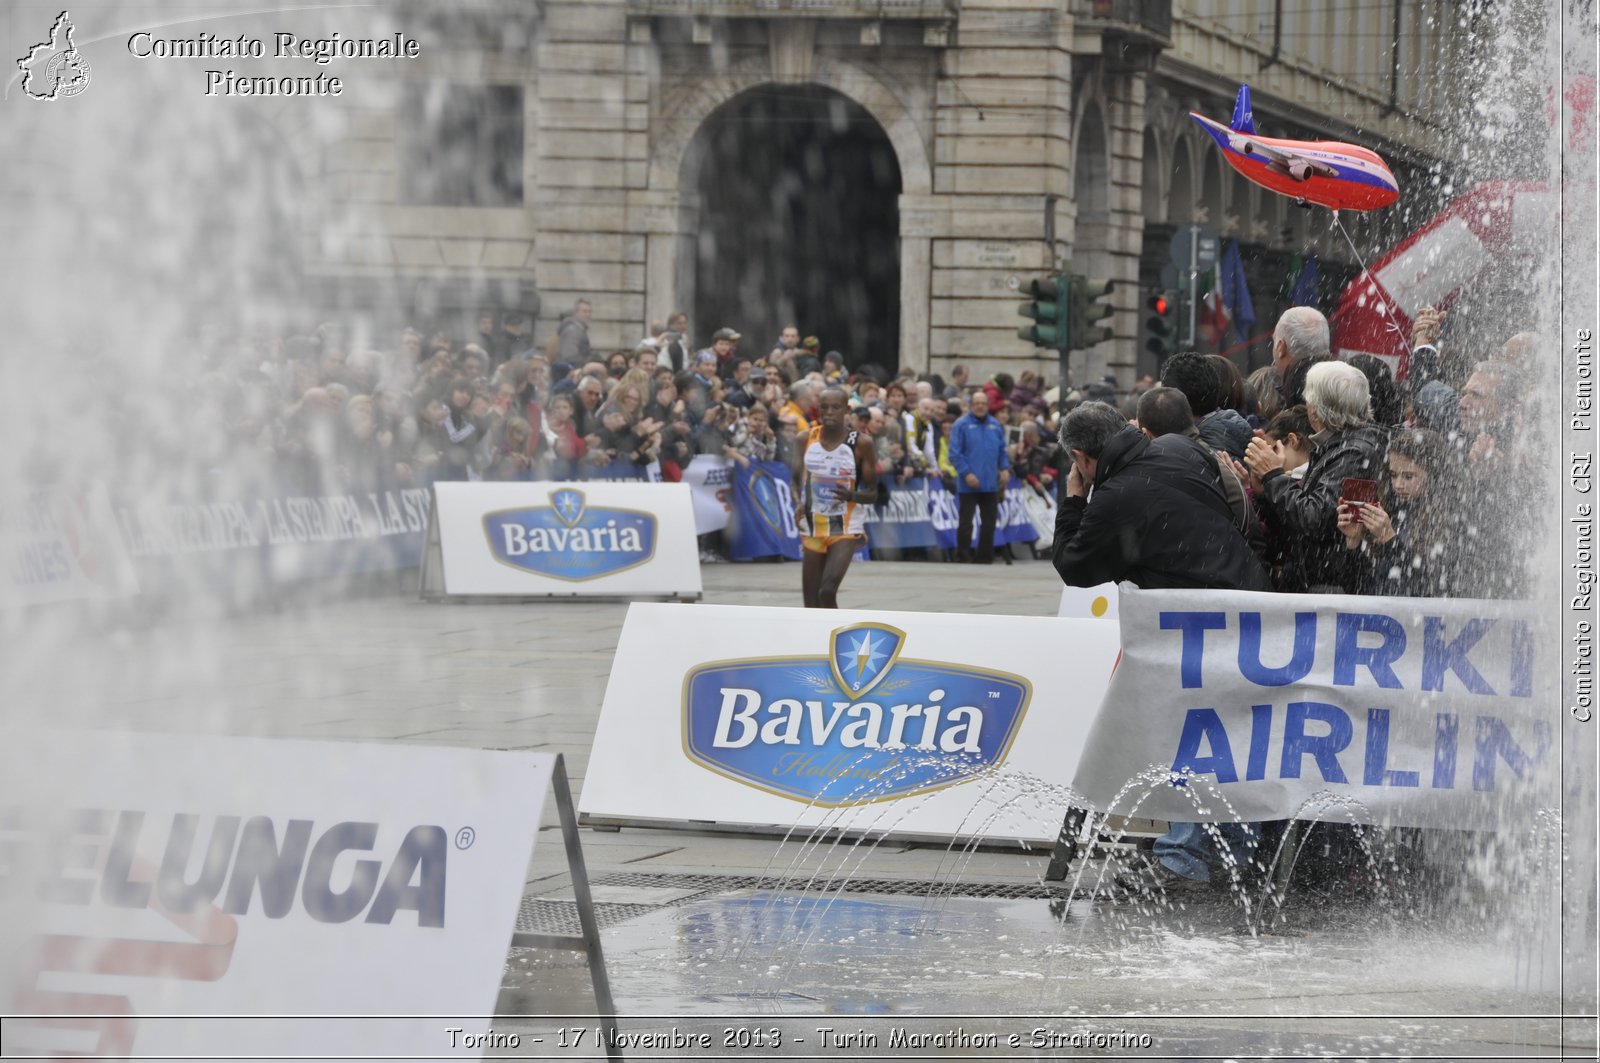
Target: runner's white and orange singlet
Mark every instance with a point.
(830, 481)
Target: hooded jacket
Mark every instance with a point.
(1226, 430)
(1157, 518)
(1304, 513)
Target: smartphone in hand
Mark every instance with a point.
(1355, 493)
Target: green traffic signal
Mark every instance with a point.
(1046, 307)
(1085, 307)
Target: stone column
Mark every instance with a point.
(1125, 108)
(917, 224)
(592, 153)
(1002, 152)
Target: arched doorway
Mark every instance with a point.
(798, 188)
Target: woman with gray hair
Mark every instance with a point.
(1303, 516)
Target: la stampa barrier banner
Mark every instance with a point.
(1402, 711)
(906, 724)
(1012, 526)
(590, 538)
(171, 896)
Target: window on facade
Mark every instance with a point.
(461, 145)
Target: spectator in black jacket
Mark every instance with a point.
(1195, 375)
(1164, 411)
(1159, 517)
(1303, 515)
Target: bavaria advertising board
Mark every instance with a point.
(176, 896)
(1425, 712)
(593, 538)
(912, 724)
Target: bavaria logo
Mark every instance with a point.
(568, 540)
(765, 494)
(803, 728)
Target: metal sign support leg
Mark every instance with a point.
(589, 941)
(430, 575)
(1066, 845)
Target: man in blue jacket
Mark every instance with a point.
(983, 469)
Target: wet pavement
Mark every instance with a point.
(896, 949)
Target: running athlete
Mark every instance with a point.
(839, 479)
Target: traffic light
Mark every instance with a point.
(1047, 308)
(1084, 308)
(1158, 324)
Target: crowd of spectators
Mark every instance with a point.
(319, 413)
(1341, 479)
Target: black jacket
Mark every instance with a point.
(1303, 515)
(1158, 518)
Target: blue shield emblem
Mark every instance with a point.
(568, 504)
(857, 722)
(863, 654)
(569, 539)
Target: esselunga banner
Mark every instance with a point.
(1401, 711)
(910, 724)
(589, 538)
(710, 481)
(172, 896)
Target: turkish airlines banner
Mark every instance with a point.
(62, 546)
(1402, 711)
(229, 881)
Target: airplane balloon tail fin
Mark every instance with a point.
(1243, 120)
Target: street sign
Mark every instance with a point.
(1205, 244)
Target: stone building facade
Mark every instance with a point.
(1026, 133)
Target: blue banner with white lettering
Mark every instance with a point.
(619, 469)
(256, 541)
(761, 522)
(1013, 525)
(905, 523)
(1232, 705)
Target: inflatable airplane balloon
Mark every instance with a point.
(1325, 172)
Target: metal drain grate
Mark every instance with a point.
(1043, 891)
(543, 916)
